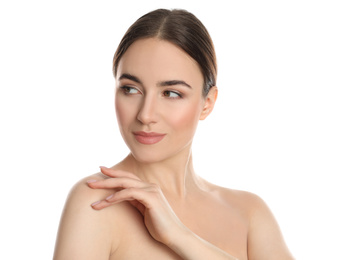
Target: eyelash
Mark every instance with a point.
(170, 91)
(126, 89)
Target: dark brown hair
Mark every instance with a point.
(180, 28)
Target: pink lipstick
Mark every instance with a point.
(148, 137)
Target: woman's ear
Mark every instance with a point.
(209, 102)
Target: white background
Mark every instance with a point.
(274, 130)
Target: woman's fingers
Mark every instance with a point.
(143, 195)
(117, 173)
(139, 198)
(112, 183)
(101, 204)
(127, 188)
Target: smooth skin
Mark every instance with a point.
(152, 205)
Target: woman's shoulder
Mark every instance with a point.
(82, 193)
(81, 196)
(245, 201)
(93, 229)
(264, 235)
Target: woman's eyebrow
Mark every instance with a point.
(173, 82)
(161, 84)
(130, 77)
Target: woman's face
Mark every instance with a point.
(159, 99)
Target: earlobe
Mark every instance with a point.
(209, 102)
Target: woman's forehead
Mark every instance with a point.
(161, 59)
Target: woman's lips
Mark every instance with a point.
(148, 137)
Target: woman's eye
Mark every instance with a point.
(129, 90)
(171, 94)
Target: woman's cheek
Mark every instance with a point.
(124, 111)
(186, 118)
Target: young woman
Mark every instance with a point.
(152, 205)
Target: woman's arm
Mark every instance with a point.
(159, 218)
(190, 246)
(82, 234)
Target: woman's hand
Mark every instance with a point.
(159, 218)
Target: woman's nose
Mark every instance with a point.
(148, 111)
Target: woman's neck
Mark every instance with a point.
(175, 176)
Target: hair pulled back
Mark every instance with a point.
(181, 28)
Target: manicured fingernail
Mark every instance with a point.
(91, 181)
(95, 203)
(103, 167)
(109, 197)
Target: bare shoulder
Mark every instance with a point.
(265, 240)
(91, 229)
(82, 193)
(81, 196)
(238, 199)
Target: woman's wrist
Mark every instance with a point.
(178, 236)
